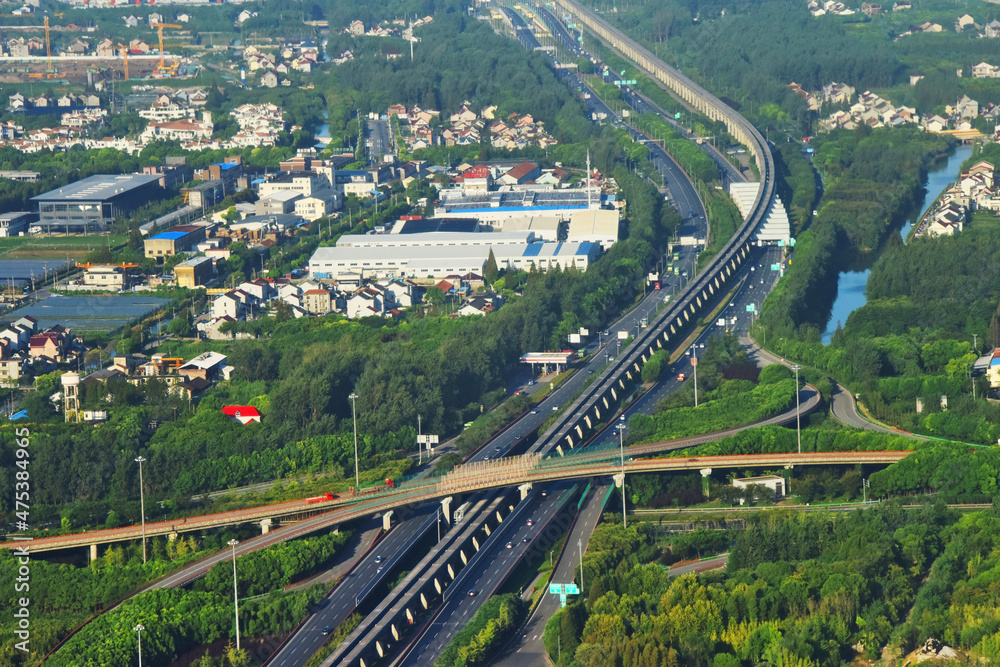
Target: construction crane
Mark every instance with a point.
(48, 44)
(124, 50)
(159, 28)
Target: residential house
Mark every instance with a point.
(317, 301)
(49, 345)
(260, 290)
(78, 47)
(244, 414)
(964, 21)
(208, 366)
(106, 48)
(269, 80)
(11, 370)
(228, 305)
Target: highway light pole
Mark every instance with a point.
(139, 628)
(579, 543)
(142, 508)
(694, 364)
(354, 411)
(236, 600)
(621, 443)
(798, 428)
(864, 491)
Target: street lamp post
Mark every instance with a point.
(236, 599)
(579, 543)
(694, 364)
(354, 411)
(142, 507)
(864, 491)
(621, 444)
(139, 628)
(798, 428)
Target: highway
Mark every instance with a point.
(529, 649)
(366, 576)
(477, 585)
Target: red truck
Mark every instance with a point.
(322, 499)
(388, 484)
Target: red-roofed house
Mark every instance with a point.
(244, 414)
(519, 174)
(48, 344)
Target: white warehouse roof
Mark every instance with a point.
(594, 225)
(435, 239)
(441, 261)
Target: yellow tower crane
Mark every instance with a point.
(48, 44)
(159, 28)
(124, 51)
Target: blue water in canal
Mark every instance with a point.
(851, 284)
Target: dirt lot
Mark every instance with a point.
(75, 71)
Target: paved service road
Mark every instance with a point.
(379, 142)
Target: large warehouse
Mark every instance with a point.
(496, 207)
(440, 239)
(440, 261)
(92, 203)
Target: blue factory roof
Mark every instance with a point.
(170, 236)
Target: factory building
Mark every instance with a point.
(434, 239)
(430, 262)
(495, 208)
(93, 203)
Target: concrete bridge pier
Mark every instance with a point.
(706, 474)
(395, 632)
(409, 616)
(265, 526)
(446, 508)
(172, 536)
(93, 552)
(423, 601)
(524, 489)
(437, 585)
(560, 450)
(378, 647)
(619, 480)
(387, 520)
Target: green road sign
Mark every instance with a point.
(776, 267)
(555, 589)
(751, 308)
(571, 589)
